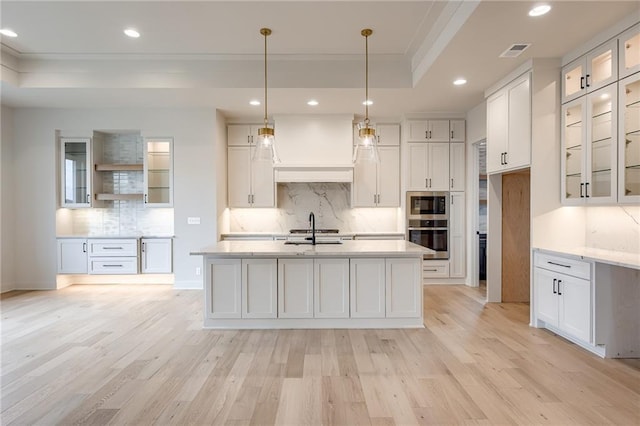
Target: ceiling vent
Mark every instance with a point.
(515, 50)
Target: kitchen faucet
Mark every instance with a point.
(312, 224)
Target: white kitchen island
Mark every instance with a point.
(355, 284)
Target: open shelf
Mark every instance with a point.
(118, 167)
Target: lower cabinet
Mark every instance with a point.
(295, 288)
(113, 256)
(72, 255)
(367, 278)
(563, 290)
(260, 288)
(224, 288)
(403, 297)
(156, 255)
(331, 288)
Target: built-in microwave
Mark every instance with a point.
(428, 222)
(427, 205)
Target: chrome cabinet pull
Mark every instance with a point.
(146, 199)
(143, 247)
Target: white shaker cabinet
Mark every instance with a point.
(72, 255)
(590, 72)
(457, 130)
(110, 256)
(456, 166)
(388, 134)
(259, 288)
(295, 288)
(589, 146)
(331, 288)
(158, 172)
(403, 288)
(509, 126)
(156, 255)
(367, 292)
(457, 258)
(75, 167)
(378, 185)
(223, 288)
(242, 134)
(428, 166)
(629, 48)
(429, 131)
(250, 183)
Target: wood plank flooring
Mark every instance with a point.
(138, 355)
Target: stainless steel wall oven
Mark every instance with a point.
(428, 222)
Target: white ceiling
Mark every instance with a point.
(193, 54)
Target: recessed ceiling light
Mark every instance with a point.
(540, 10)
(7, 32)
(130, 32)
(312, 102)
(369, 102)
(460, 82)
(254, 102)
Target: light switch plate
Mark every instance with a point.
(193, 221)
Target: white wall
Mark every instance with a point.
(35, 192)
(7, 233)
(221, 174)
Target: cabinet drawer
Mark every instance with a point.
(113, 247)
(564, 265)
(113, 265)
(435, 269)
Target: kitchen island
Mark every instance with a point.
(353, 284)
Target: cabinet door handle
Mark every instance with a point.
(429, 182)
(146, 199)
(88, 198)
(558, 264)
(586, 80)
(431, 270)
(112, 266)
(581, 83)
(586, 190)
(581, 190)
(451, 182)
(426, 182)
(554, 286)
(112, 248)
(84, 247)
(452, 134)
(142, 248)
(430, 136)
(248, 198)
(505, 158)
(426, 134)
(559, 292)
(502, 158)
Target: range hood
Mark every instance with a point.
(314, 148)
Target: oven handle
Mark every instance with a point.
(427, 229)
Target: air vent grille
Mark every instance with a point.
(515, 50)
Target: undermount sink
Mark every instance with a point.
(308, 243)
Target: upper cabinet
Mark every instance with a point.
(242, 134)
(75, 179)
(388, 134)
(250, 183)
(158, 172)
(509, 126)
(428, 166)
(589, 144)
(456, 166)
(457, 130)
(629, 144)
(429, 131)
(378, 185)
(590, 72)
(629, 48)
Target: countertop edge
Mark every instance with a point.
(610, 257)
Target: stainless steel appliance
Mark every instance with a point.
(428, 222)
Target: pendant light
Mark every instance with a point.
(265, 149)
(366, 150)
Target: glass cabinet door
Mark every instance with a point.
(76, 171)
(601, 66)
(573, 84)
(573, 139)
(629, 45)
(158, 172)
(600, 185)
(629, 147)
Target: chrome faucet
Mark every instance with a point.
(312, 224)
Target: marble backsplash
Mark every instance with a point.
(331, 204)
(613, 228)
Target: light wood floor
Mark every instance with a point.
(138, 355)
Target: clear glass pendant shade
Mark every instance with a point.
(366, 150)
(265, 149)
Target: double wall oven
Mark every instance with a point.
(428, 222)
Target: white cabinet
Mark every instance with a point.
(457, 258)
(367, 292)
(509, 126)
(388, 134)
(113, 256)
(428, 166)
(250, 183)
(457, 130)
(75, 167)
(629, 48)
(589, 144)
(629, 143)
(242, 134)
(158, 172)
(72, 255)
(223, 289)
(331, 288)
(590, 72)
(429, 131)
(295, 288)
(156, 255)
(378, 185)
(456, 166)
(259, 288)
(403, 289)
(562, 291)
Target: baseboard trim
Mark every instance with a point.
(188, 285)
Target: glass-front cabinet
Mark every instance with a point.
(76, 172)
(590, 72)
(629, 148)
(158, 172)
(589, 143)
(629, 45)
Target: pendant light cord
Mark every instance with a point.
(265, 32)
(366, 81)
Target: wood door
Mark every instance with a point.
(515, 236)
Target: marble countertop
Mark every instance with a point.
(617, 258)
(287, 234)
(348, 248)
(104, 237)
